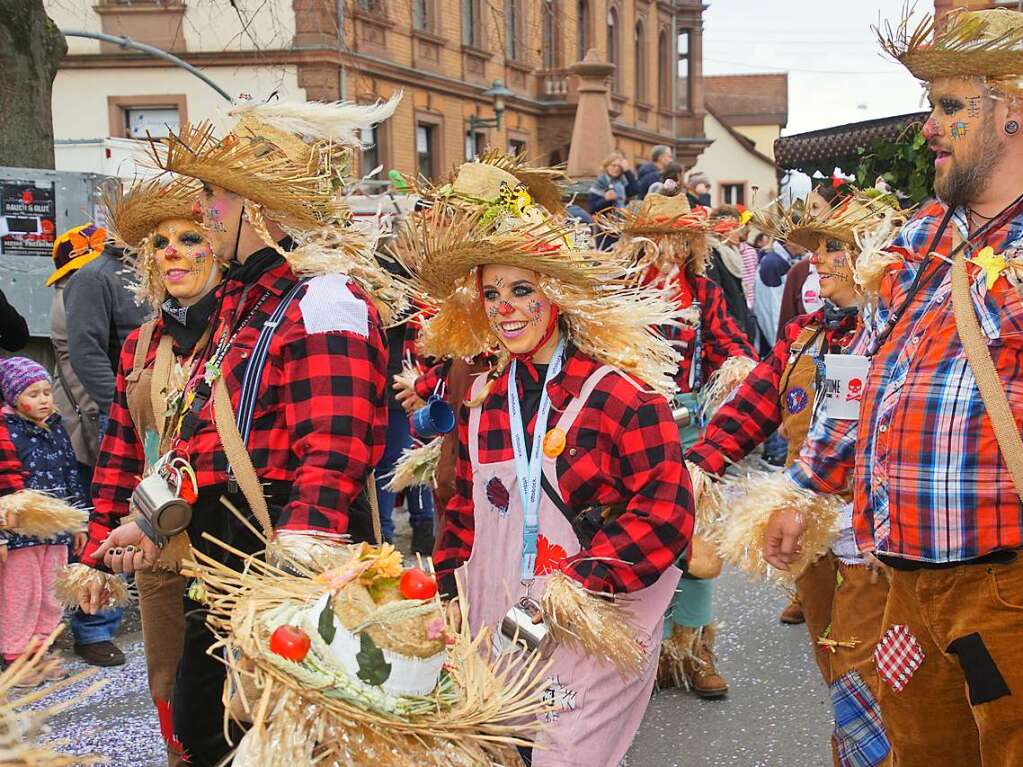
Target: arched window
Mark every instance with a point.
(582, 29)
(550, 34)
(613, 56)
(665, 71)
(639, 58)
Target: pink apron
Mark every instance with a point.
(597, 711)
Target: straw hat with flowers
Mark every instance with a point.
(134, 216)
(290, 161)
(486, 215)
(986, 44)
(663, 232)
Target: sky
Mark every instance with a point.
(837, 73)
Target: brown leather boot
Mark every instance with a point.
(671, 663)
(701, 674)
(793, 612)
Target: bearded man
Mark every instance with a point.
(936, 459)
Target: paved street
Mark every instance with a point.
(776, 715)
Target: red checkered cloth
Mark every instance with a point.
(623, 449)
(319, 421)
(721, 336)
(897, 656)
(754, 412)
(12, 474)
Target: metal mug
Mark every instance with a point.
(682, 415)
(434, 418)
(161, 507)
(517, 625)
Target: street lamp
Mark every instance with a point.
(498, 92)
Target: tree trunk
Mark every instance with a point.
(31, 48)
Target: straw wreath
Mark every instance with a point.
(987, 44)
(40, 515)
(23, 725)
(309, 713)
(752, 502)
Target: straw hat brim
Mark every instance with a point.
(250, 169)
(444, 246)
(134, 214)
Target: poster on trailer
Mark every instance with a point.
(28, 219)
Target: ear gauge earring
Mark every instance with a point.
(1011, 127)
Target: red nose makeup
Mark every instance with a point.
(169, 251)
(505, 309)
(930, 129)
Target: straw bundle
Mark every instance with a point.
(602, 628)
(707, 497)
(30, 512)
(307, 713)
(75, 580)
(416, 466)
(757, 498)
(22, 726)
(723, 382)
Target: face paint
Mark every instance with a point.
(184, 261)
(957, 129)
(517, 312)
(973, 106)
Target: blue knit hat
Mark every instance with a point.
(17, 374)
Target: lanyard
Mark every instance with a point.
(528, 471)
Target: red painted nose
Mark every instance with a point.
(930, 129)
(505, 309)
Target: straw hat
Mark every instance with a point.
(135, 213)
(986, 44)
(497, 174)
(289, 158)
(443, 247)
(846, 222)
(134, 216)
(664, 232)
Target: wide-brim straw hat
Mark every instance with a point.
(986, 44)
(134, 214)
(603, 311)
(663, 214)
(290, 159)
(847, 222)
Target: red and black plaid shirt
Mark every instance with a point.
(721, 337)
(12, 474)
(754, 412)
(319, 421)
(622, 449)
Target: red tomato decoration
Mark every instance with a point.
(290, 642)
(415, 584)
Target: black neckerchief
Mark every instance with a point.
(259, 263)
(186, 324)
(839, 318)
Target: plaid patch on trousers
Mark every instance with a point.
(860, 738)
(898, 655)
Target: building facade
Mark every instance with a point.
(444, 55)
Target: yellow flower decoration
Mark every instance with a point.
(384, 561)
(993, 265)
